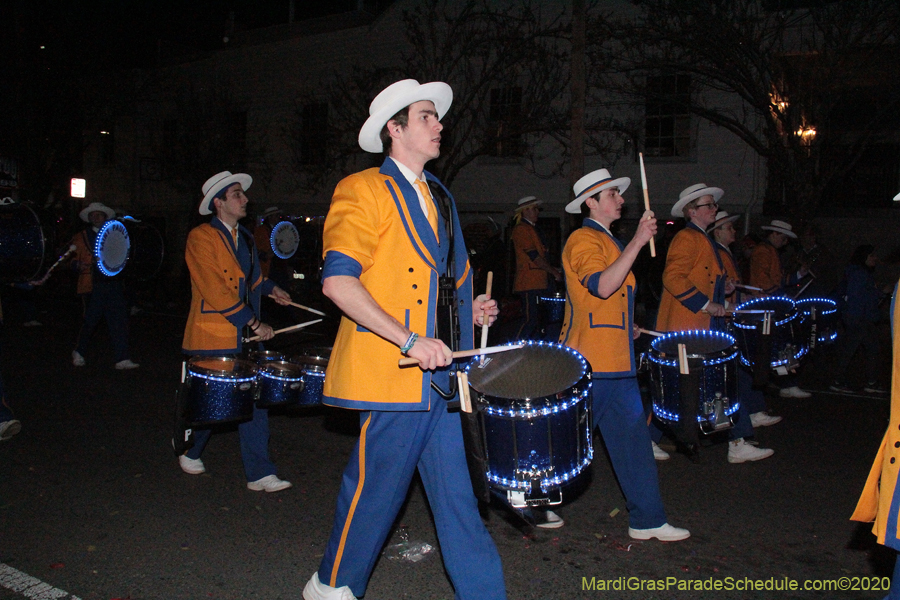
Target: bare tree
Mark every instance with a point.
(795, 73)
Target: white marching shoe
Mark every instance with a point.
(316, 590)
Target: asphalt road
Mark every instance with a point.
(93, 504)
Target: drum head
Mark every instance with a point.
(824, 306)
(536, 370)
(22, 243)
(113, 244)
(699, 342)
(219, 366)
(279, 369)
(780, 305)
(285, 239)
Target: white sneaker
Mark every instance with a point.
(316, 590)
(794, 392)
(763, 419)
(554, 521)
(77, 359)
(664, 533)
(191, 466)
(126, 364)
(9, 429)
(269, 483)
(741, 451)
(659, 453)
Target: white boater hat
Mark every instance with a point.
(781, 227)
(723, 217)
(527, 201)
(693, 192)
(219, 182)
(593, 183)
(396, 96)
(96, 207)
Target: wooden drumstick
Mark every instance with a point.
(650, 332)
(683, 360)
(485, 320)
(747, 287)
(409, 360)
(312, 310)
(43, 279)
(646, 199)
(291, 328)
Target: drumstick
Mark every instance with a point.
(646, 199)
(312, 310)
(53, 266)
(409, 360)
(485, 320)
(291, 328)
(803, 289)
(650, 332)
(747, 287)
(683, 360)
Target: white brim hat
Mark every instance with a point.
(698, 190)
(219, 182)
(723, 217)
(96, 207)
(527, 201)
(397, 96)
(593, 183)
(781, 227)
(897, 197)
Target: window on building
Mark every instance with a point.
(505, 113)
(313, 142)
(667, 130)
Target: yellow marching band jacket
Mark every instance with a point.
(220, 276)
(375, 230)
(599, 329)
(694, 275)
(527, 242)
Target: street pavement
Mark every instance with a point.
(94, 506)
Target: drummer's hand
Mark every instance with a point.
(635, 331)
(265, 332)
(280, 296)
(715, 309)
(431, 353)
(646, 227)
(485, 304)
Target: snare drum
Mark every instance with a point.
(715, 355)
(784, 333)
(280, 383)
(312, 364)
(220, 390)
(260, 357)
(819, 320)
(533, 406)
(22, 243)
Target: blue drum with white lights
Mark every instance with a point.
(280, 383)
(715, 354)
(112, 248)
(220, 390)
(22, 243)
(553, 308)
(312, 364)
(785, 333)
(533, 406)
(819, 321)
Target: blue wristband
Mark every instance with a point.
(409, 342)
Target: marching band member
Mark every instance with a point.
(767, 274)
(599, 323)
(880, 500)
(226, 288)
(101, 295)
(696, 280)
(532, 268)
(392, 236)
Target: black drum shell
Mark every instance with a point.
(553, 308)
(785, 329)
(219, 390)
(827, 318)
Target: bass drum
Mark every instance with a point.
(148, 250)
(22, 243)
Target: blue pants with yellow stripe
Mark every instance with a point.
(392, 445)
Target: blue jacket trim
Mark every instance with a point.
(338, 263)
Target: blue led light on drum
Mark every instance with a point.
(284, 232)
(756, 302)
(546, 482)
(702, 333)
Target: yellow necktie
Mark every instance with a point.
(234, 236)
(429, 201)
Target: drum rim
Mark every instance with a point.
(809, 301)
(251, 367)
(699, 333)
(278, 368)
(27, 206)
(285, 224)
(102, 236)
